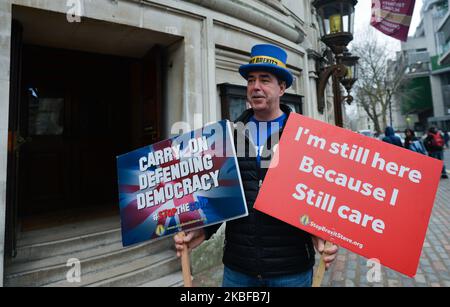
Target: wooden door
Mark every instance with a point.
(76, 121)
(45, 162)
(15, 141)
(146, 98)
(100, 129)
(152, 96)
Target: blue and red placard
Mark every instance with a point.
(183, 183)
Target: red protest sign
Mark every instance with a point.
(365, 195)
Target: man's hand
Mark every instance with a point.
(192, 240)
(329, 253)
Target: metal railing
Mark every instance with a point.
(418, 57)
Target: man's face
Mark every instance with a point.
(264, 90)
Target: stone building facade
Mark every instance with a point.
(82, 81)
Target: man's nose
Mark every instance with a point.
(257, 85)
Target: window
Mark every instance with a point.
(45, 114)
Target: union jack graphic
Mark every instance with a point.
(221, 203)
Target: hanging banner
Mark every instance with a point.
(393, 18)
(368, 196)
(183, 183)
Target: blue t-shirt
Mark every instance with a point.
(264, 129)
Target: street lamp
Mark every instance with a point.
(336, 22)
(336, 19)
(336, 31)
(351, 62)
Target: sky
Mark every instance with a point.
(362, 22)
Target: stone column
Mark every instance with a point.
(438, 97)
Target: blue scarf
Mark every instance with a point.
(263, 132)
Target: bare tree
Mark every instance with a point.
(377, 83)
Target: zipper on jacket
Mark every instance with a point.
(257, 235)
(257, 241)
(307, 251)
(260, 181)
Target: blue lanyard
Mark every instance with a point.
(261, 139)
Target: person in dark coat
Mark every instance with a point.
(260, 250)
(414, 143)
(410, 136)
(391, 138)
(446, 138)
(434, 143)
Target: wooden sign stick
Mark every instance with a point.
(185, 264)
(318, 276)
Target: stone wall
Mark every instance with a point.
(209, 254)
(196, 63)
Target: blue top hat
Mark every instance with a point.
(268, 58)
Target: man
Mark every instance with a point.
(414, 143)
(261, 250)
(434, 143)
(391, 138)
(446, 138)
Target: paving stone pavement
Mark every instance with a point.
(351, 270)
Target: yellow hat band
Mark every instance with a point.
(266, 60)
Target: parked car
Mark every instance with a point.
(368, 133)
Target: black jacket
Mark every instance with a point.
(259, 245)
(391, 138)
(430, 144)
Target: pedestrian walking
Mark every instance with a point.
(391, 138)
(434, 143)
(446, 138)
(414, 143)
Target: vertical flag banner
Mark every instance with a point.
(183, 183)
(368, 196)
(393, 18)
